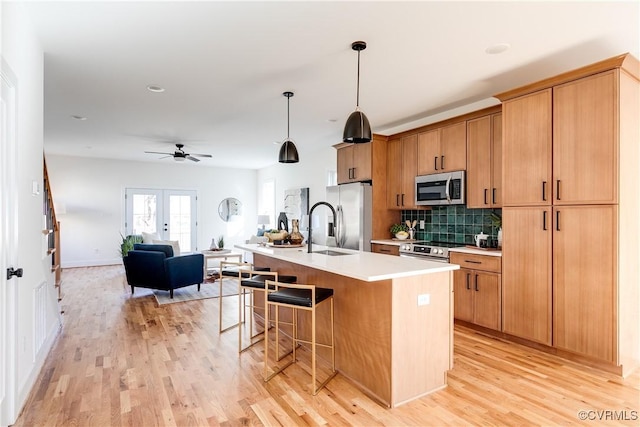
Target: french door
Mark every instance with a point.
(169, 213)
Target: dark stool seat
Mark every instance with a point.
(258, 281)
(235, 271)
(299, 297)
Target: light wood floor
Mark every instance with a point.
(124, 360)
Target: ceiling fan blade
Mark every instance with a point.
(201, 155)
(190, 157)
(158, 152)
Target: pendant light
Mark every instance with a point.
(357, 128)
(288, 151)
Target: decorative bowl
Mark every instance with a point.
(402, 235)
(281, 235)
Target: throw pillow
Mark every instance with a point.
(173, 243)
(148, 238)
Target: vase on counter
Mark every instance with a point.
(295, 237)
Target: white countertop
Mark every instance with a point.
(394, 242)
(478, 251)
(366, 266)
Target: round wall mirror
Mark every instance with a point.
(230, 208)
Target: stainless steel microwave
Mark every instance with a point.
(441, 189)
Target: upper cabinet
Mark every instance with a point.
(354, 163)
(401, 172)
(560, 144)
(526, 150)
(585, 149)
(484, 162)
(443, 149)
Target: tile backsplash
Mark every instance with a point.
(452, 223)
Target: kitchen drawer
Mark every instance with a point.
(385, 249)
(477, 262)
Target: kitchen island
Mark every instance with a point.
(393, 316)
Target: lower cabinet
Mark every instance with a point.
(380, 248)
(478, 291)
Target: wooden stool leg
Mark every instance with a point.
(313, 348)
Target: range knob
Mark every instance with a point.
(440, 251)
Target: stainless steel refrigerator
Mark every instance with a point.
(353, 206)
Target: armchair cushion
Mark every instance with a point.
(155, 267)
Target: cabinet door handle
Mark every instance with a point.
(544, 220)
(557, 189)
(485, 196)
(468, 281)
(557, 220)
(477, 283)
(435, 162)
(402, 199)
(544, 191)
(385, 250)
(354, 173)
(397, 199)
(472, 261)
(493, 196)
(442, 162)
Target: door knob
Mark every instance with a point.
(11, 272)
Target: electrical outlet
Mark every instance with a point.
(424, 299)
(422, 224)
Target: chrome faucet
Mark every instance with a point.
(309, 240)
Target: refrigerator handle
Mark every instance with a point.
(339, 226)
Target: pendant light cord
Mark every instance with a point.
(288, 99)
(358, 84)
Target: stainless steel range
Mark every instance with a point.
(431, 251)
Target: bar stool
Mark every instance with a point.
(299, 297)
(237, 270)
(257, 282)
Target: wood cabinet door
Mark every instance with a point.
(479, 162)
(409, 171)
(463, 294)
(584, 266)
(526, 273)
(361, 162)
(585, 147)
(487, 300)
(429, 152)
(496, 160)
(394, 173)
(453, 147)
(344, 164)
(526, 150)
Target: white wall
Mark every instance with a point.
(310, 172)
(92, 192)
(22, 52)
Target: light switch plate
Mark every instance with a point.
(422, 224)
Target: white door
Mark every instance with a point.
(8, 246)
(170, 213)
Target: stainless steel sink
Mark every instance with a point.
(330, 252)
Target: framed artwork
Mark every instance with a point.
(296, 203)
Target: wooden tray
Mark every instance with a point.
(299, 245)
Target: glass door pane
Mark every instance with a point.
(181, 219)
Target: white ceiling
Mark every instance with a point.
(224, 66)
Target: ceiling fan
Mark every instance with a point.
(179, 155)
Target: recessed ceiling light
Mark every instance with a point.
(155, 88)
(332, 120)
(78, 117)
(497, 48)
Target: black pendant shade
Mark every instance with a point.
(288, 150)
(357, 129)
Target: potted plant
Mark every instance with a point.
(221, 242)
(399, 231)
(127, 243)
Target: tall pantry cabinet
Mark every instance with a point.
(571, 231)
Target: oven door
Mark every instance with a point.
(440, 189)
(423, 257)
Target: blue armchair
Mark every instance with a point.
(155, 267)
